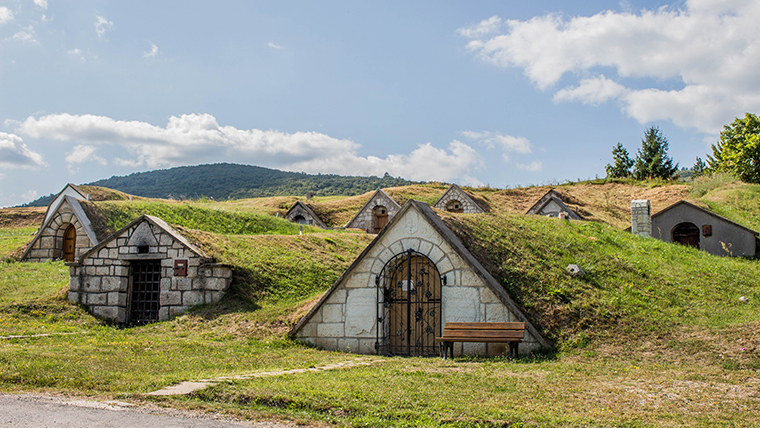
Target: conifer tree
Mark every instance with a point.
(652, 160)
(622, 163)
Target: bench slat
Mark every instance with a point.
(484, 326)
(483, 334)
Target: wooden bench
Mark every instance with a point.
(489, 332)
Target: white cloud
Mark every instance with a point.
(153, 51)
(30, 195)
(703, 57)
(6, 15)
(273, 46)
(195, 138)
(76, 53)
(14, 153)
(507, 142)
(41, 4)
(83, 153)
(26, 36)
(102, 25)
(534, 166)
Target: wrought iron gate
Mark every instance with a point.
(408, 306)
(146, 291)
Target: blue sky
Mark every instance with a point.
(503, 93)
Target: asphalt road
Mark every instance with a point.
(40, 411)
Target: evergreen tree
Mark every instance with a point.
(652, 159)
(622, 163)
(699, 168)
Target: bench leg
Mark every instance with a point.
(446, 348)
(513, 350)
(443, 349)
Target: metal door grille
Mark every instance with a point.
(146, 291)
(409, 306)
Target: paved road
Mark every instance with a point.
(36, 411)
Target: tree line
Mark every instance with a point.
(737, 152)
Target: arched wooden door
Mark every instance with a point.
(686, 234)
(381, 218)
(409, 306)
(69, 243)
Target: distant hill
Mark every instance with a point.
(232, 181)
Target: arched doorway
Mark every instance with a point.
(301, 220)
(409, 306)
(686, 234)
(380, 214)
(69, 243)
(455, 207)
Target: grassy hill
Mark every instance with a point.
(653, 334)
(232, 181)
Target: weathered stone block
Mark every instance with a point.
(163, 313)
(107, 312)
(410, 243)
(91, 284)
(73, 296)
(184, 284)
(169, 298)
(74, 283)
(121, 270)
(103, 253)
(97, 299)
(47, 242)
(167, 263)
(165, 239)
(444, 266)
(113, 253)
(496, 312)
(166, 284)
(332, 313)
(337, 296)
(367, 346)
(361, 312)
(359, 280)
(308, 330)
(461, 304)
(436, 255)
(425, 247)
(114, 283)
(326, 343)
(177, 310)
(470, 279)
(222, 272)
(330, 330)
(213, 296)
(488, 296)
(192, 298)
(102, 270)
(97, 262)
(348, 345)
(117, 299)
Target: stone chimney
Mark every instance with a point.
(641, 217)
(309, 195)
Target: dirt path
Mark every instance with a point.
(190, 386)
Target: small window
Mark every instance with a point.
(143, 249)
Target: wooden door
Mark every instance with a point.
(686, 234)
(69, 243)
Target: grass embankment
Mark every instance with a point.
(187, 214)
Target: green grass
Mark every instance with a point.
(119, 214)
(12, 238)
(632, 286)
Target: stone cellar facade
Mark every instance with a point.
(457, 200)
(448, 284)
(145, 272)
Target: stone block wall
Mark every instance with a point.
(102, 282)
(468, 206)
(641, 217)
(49, 244)
(347, 319)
